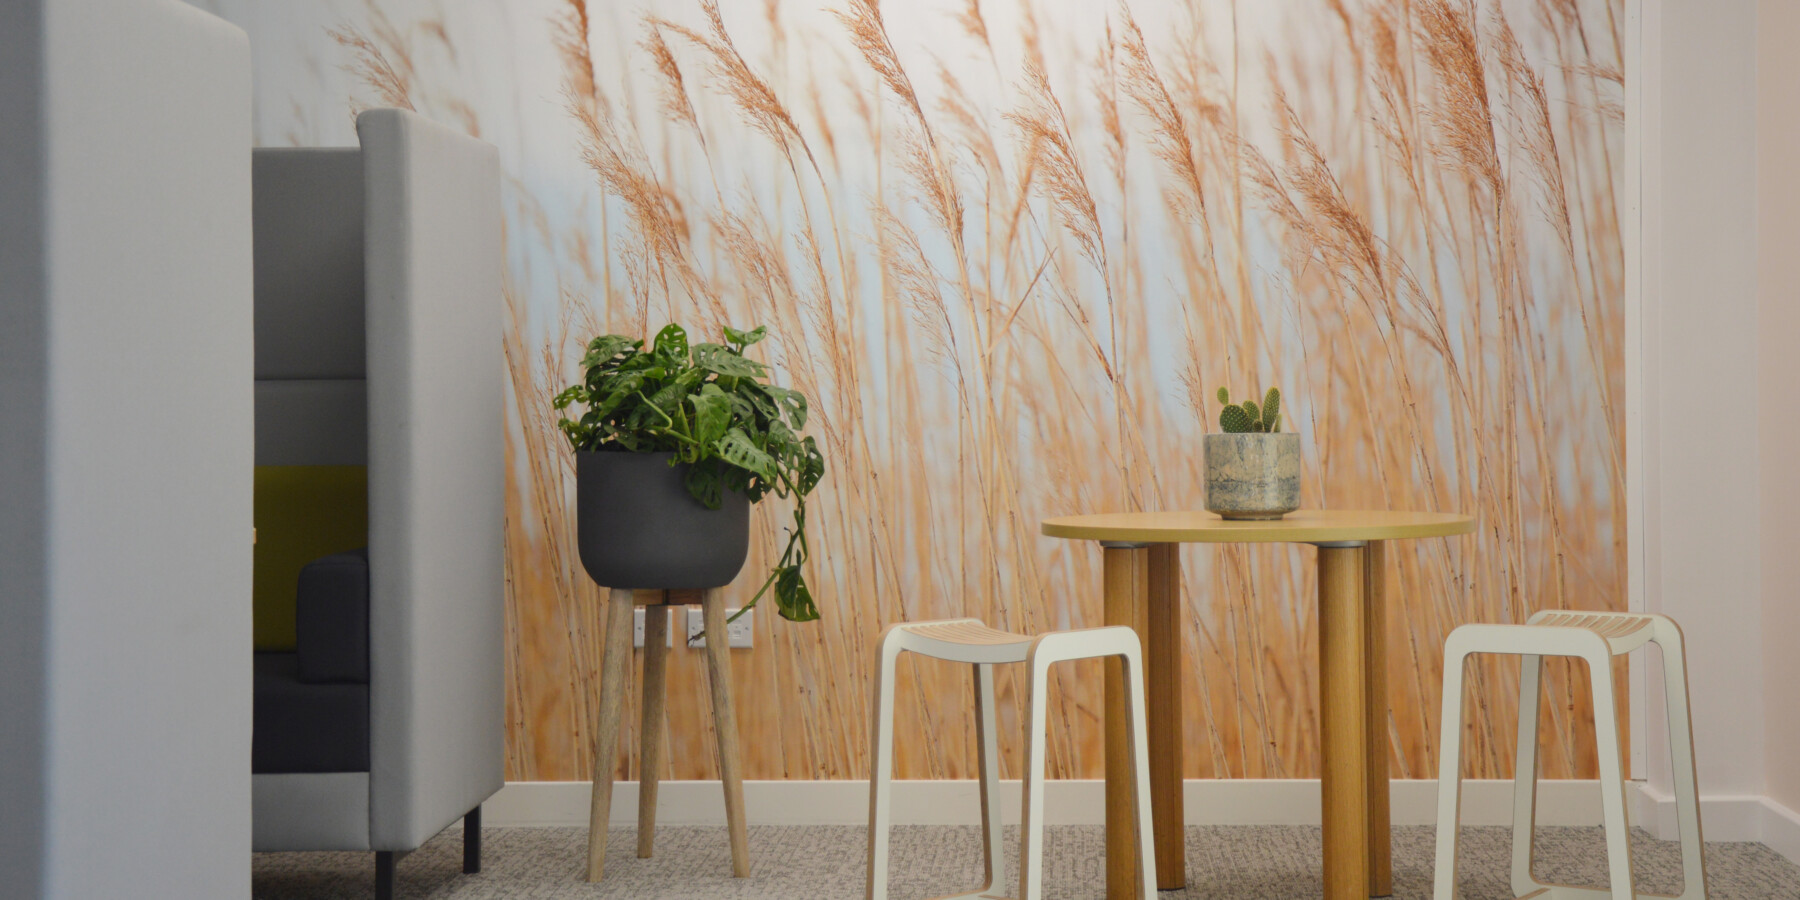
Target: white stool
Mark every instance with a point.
(1596, 638)
(970, 641)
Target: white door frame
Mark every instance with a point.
(1642, 65)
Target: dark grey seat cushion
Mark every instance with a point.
(302, 727)
(331, 619)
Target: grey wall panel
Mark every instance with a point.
(309, 262)
(435, 474)
(317, 811)
(146, 379)
(23, 374)
(312, 423)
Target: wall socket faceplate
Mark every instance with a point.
(738, 633)
(637, 628)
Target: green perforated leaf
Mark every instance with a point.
(745, 338)
(712, 415)
(606, 348)
(722, 361)
(792, 402)
(737, 449)
(671, 346)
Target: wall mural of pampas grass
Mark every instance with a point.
(1010, 248)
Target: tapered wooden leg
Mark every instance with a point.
(1381, 836)
(615, 655)
(1343, 696)
(718, 669)
(1127, 588)
(656, 657)
(1162, 684)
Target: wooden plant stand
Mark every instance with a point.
(615, 656)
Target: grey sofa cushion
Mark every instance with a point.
(331, 619)
(312, 423)
(301, 727)
(308, 235)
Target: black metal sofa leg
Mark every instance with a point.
(386, 860)
(472, 842)
(384, 874)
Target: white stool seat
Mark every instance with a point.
(972, 642)
(965, 641)
(1595, 638)
(1624, 632)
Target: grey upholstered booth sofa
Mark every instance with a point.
(378, 310)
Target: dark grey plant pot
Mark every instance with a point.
(1252, 476)
(640, 528)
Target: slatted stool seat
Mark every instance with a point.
(971, 642)
(1596, 638)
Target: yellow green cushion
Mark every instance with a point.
(302, 513)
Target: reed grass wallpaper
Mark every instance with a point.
(1010, 249)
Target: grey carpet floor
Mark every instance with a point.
(804, 863)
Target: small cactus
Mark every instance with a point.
(1247, 417)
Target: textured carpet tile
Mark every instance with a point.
(818, 862)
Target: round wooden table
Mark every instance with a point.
(1143, 590)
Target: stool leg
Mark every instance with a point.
(650, 737)
(1031, 818)
(988, 750)
(1612, 775)
(1525, 771)
(1449, 770)
(718, 669)
(881, 763)
(1681, 756)
(1139, 737)
(614, 657)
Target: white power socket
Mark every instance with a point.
(637, 628)
(738, 634)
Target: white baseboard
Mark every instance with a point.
(1741, 817)
(1082, 802)
(1209, 802)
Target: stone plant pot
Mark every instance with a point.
(1252, 476)
(638, 526)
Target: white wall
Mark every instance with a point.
(1719, 280)
(126, 389)
(1778, 381)
(1700, 553)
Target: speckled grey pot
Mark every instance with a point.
(638, 527)
(1252, 476)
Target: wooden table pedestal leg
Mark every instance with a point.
(650, 733)
(1381, 836)
(615, 657)
(1126, 602)
(718, 669)
(1162, 677)
(1343, 702)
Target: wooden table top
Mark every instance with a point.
(1300, 526)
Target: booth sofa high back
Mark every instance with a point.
(379, 716)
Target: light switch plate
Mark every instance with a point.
(637, 628)
(739, 634)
